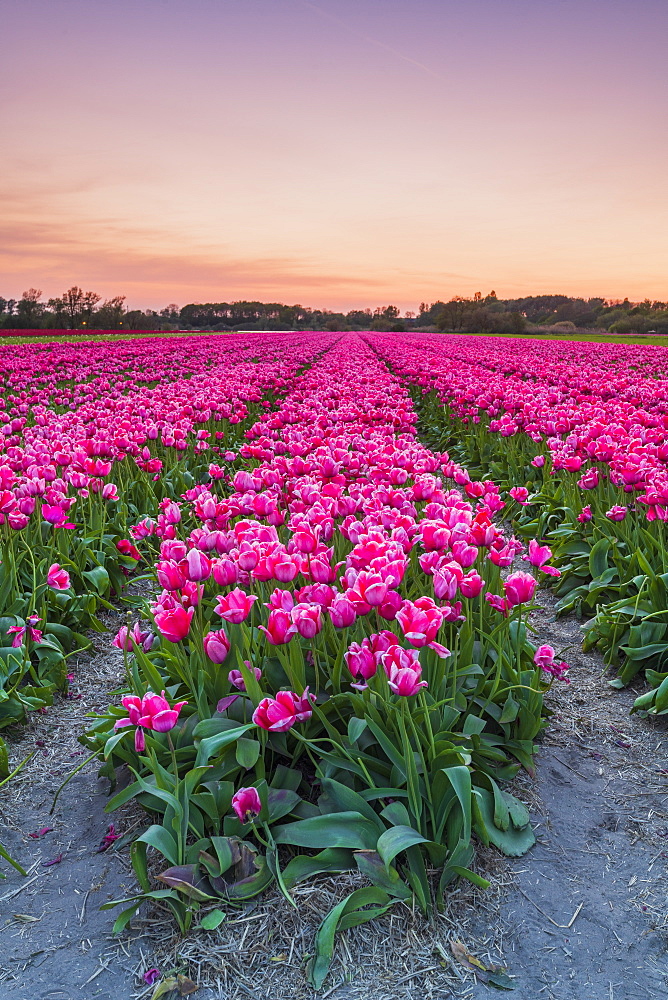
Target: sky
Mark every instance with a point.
(338, 153)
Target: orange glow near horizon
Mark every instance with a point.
(336, 154)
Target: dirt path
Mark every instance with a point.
(600, 861)
(56, 942)
(601, 809)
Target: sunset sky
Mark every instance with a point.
(337, 153)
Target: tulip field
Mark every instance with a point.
(343, 537)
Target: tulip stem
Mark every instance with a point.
(70, 776)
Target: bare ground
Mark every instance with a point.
(582, 917)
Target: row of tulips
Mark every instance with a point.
(584, 432)
(336, 670)
(91, 440)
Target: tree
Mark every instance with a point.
(76, 306)
(30, 310)
(451, 315)
(110, 315)
(171, 312)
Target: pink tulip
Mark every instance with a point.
(544, 658)
(224, 571)
(369, 590)
(174, 623)
(236, 678)
(404, 673)
(171, 575)
(341, 612)
(280, 628)
(152, 712)
(234, 607)
(197, 566)
(538, 554)
(519, 588)
(216, 646)
(125, 637)
(19, 631)
(360, 660)
(471, 584)
(420, 621)
(126, 548)
(246, 804)
(282, 712)
(57, 578)
(307, 618)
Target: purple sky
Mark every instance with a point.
(334, 153)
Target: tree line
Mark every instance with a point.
(77, 309)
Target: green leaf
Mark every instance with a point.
(343, 829)
(99, 578)
(280, 802)
(124, 917)
(212, 919)
(397, 839)
(460, 779)
(512, 842)
(14, 864)
(247, 753)
(325, 936)
(355, 728)
(598, 557)
(210, 746)
(344, 799)
(333, 859)
(473, 724)
(501, 981)
(372, 866)
(4, 760)
(161, 839)
(187, 880)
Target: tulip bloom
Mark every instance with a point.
(519, 588)
(404, 673)
(246, 804)
(126, 548)
(361, 661)
(19, 631)
(235, 607)
(125, 637)
(150, 712)
(57, 578)
(538, 554)
(544, 658)
(216, 646)
(171, 575)
(420, 621)
(236, 678)
(341, 612)
(369, 590)
(307, 619)
(281, 713)
(197, 566)
(174, 623)
(280, 628)
(616, 513)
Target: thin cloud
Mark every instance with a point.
(372, 41)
